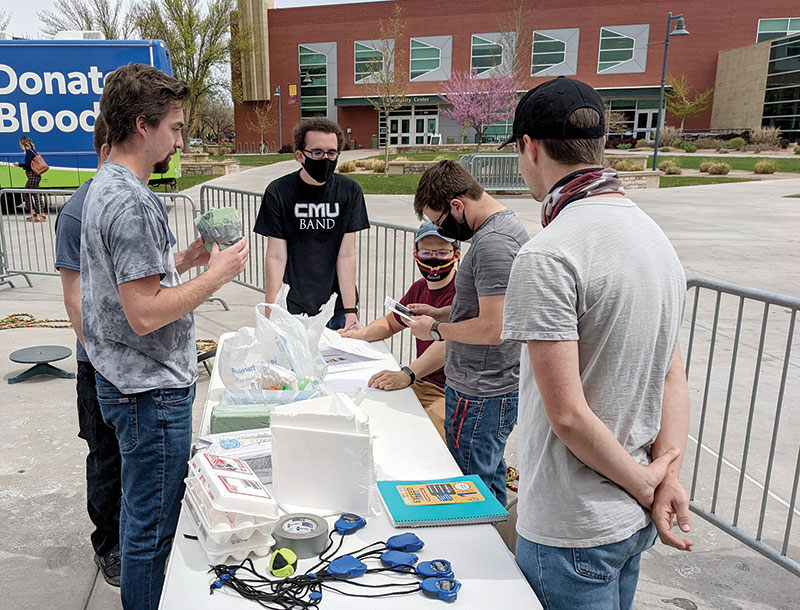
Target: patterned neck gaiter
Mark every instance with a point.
(577, 185)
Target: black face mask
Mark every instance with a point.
(456, 229)
(320, 170)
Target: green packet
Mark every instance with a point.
(220, 225)
(233, 418)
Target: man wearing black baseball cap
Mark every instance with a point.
(596, 299)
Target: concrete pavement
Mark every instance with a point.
(746, 233)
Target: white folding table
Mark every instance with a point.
(406, 446)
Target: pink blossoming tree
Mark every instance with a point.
(478, 102)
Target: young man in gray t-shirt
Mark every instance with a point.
(596, 299)
(137, 321)
(482, 370)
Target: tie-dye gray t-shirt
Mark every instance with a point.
(124, 237)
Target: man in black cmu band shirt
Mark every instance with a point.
(310, 218)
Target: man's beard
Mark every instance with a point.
(162, 166)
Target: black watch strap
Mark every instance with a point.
(410, 373)
(350, 310)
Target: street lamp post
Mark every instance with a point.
(280, 117)
(679, 30)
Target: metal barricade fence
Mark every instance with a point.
(26, 247)
(494, 171)
(745, 417)
(384, 259)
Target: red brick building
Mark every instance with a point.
(315, 56)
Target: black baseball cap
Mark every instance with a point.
(544, 111)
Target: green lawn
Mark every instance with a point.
(376, 184)
(185, 182)
(784, 164)
(256, 160)
(430, 156)
(669, 181)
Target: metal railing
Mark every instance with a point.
(746, 464)
(28, 248)
(385, 264)
(494, 171)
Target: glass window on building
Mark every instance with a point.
(313, 83)
(368, 61)
(499, 132)
(777, 28)
(615, 49)
(547, 52)
(782, 94)
(485, 54)
(425, 58)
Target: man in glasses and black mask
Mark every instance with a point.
(482, 371)
(310, 218)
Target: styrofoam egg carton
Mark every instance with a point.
(232, 486)
(233, 546)
(218, 526)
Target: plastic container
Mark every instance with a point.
(232, 543)
(220, 526)
(232, 487)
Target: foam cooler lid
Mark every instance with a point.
(231, 486)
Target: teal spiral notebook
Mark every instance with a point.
(452, 501)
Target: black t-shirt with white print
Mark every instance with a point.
(313, 220)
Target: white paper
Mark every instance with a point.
(330, 338)
(339, 361)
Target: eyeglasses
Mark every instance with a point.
(438, 221)
(446, 211)
(318, 154)
(435, 253)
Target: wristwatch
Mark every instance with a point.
(435, 332)
(410, 373)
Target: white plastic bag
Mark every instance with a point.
(241, 359)
(293, 339)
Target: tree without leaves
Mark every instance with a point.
(198, 41)
(386, 80)
(515, 39)
(5, 19)
(216, 116)
(615, 121)
(681, 103)
(106, 16)
(478, 102)
(263, 119)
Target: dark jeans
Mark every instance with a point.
(477, 428)
(337, 321)
(102, 465)
(154, 432)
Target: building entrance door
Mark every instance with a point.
(645, 124)
(399, 130)
(424, 128)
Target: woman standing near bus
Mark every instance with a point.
(26, 144)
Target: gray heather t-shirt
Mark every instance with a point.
(125, 237)
(485, 370)
(605, 275)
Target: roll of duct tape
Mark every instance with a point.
(306, 535)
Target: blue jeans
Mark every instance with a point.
(600, 577)
(103, 489)
(337, 321)
(154, 432)
(477, 429)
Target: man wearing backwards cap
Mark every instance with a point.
(596, 299)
